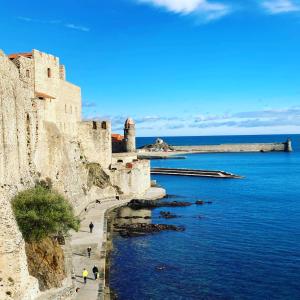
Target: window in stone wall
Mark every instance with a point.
(27, 74)
(94, 125)
(103, 125)
(49, 72)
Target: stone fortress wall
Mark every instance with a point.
(42, 136)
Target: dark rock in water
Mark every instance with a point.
(132, 230)
(174, 204)
(199, 217)
(199, 202)
(168, 196)
(113, 295)
(131, 217)
(138, 204)
(127, 234)
(167, 215)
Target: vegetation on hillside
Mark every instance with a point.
(41, 212)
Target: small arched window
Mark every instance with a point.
(27, 73)
(49, 72)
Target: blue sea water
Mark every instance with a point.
(246, 245)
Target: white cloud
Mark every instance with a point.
(245, 122)
(55, 22)
(251, 119)
(77, 27)
(206, 10)
(280, 6)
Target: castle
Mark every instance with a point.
(42, 136)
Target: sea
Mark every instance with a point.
(245, 245)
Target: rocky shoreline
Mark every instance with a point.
(131, 226)
(133, 219)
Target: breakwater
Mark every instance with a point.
(193, 173)
(177, 152)
(248, 147)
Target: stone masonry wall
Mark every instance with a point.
(132, 178)
(33, 146)
(15, 174)
(68, 107)
(43, 83)
(95, 139)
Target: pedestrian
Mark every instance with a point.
(95, 271)
(85, 274)
(89, 250)
(91, 227)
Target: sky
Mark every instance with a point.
(177, 67)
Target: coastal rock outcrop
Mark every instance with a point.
(158, 145)
(138, 229)
(202, 202)
(138, 204)
(167, 215)
(46, 263)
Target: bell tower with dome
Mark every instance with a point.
(129, 136)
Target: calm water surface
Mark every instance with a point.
(246, 245)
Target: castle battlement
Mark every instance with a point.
(46, 78)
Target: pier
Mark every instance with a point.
(194, 173)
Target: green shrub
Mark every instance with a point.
(41, 213)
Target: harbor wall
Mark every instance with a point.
(253, 147)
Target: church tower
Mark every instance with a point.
(129, 136)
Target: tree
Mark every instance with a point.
(41, 212)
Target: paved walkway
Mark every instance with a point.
(82, 239)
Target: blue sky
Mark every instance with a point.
(178, 67)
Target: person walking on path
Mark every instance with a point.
(89, 250)
(91, 227)
(85, 274)
(95, 271)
